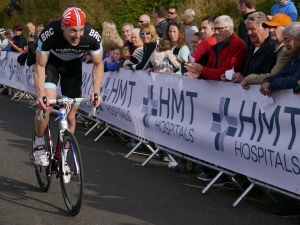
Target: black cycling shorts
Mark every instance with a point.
(69, 72)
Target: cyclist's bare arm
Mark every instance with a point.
(39, 77)
(97, 73)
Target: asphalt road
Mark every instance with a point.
(116, 191)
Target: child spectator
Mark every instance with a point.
(108, 46)
(196, 39)
(116, 60)
(163, 59)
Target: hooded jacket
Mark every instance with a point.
(288, 8)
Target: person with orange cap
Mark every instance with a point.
(276, 25)
(61, 45)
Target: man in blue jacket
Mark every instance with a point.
(285, 6)
(290, 74)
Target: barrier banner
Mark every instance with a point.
(218, 122)
(14, 75)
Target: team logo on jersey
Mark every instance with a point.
(46, 34)
(93, 33)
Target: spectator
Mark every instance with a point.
(116, 60)
(191, 13)
(109, 31)
(285, 6)
(276, 25)
(261, 57)
(144, 18)
(108, 46)
(187, 20)
(149, 37)
(172, 14)
(32, 31)
(3, 38)
(138, 53)
(196, 39)
(9, 34)
(162, 59)
(16, 41)
(13, 4)
(287, 78)
(159, 13)
(176, 34)
(230, 51)
(201, 53)
(245, 7)
(32, 45)
(127, 28)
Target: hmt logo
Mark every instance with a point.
(223, 124)
(153, 105)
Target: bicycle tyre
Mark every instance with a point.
(43, 173)
(73, 190)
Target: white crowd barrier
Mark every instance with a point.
(214, 121)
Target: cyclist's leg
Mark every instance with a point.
(71, 118)
(39, 150)
(41, 125)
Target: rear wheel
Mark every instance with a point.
(71, 174)
(43, 173)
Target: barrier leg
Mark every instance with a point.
(154, 152)
(2, 89)
(236, 183)
(101, 134)
(264, 190)
(22, 95)
(91, 129)
(243, 195)
(132, 151)
(15, 95)
(212, 182)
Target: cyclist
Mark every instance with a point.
(61, 45)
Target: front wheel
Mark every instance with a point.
(71, 174)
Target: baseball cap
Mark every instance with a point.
(2, 30)
(8, 32)
(278, 19)
(73, 16)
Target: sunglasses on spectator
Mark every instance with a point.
(142, 21)
(172, 13)
(219, 29)
(145, 34)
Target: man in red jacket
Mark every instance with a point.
(230, 51)
(201, 52)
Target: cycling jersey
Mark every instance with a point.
(51, 40)
(64, 62)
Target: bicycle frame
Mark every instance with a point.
(59, 147)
